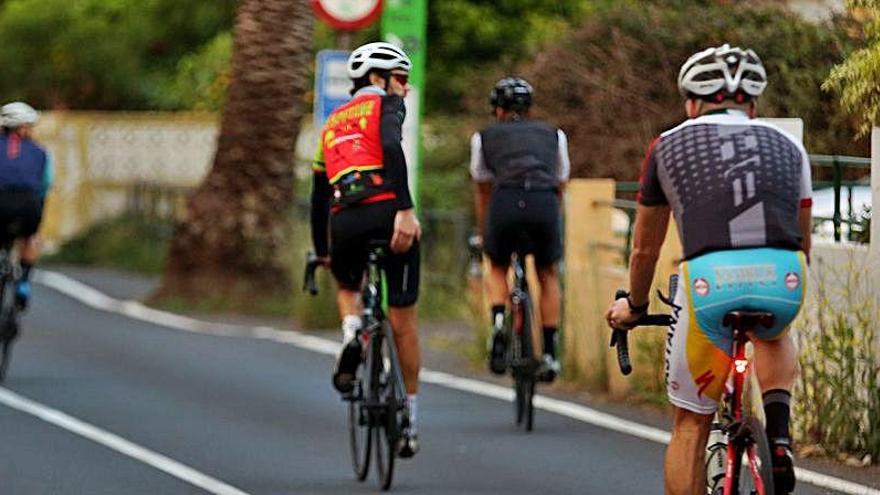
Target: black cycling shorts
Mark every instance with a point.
(21, 211)
(524, 221)
(351, 230)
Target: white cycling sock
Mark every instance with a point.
(350, 325)
(412, 401)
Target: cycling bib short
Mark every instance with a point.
(699, 346)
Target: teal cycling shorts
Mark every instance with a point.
(699, 345)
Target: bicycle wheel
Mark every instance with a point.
(359, 425)
(8, 327)
(523, 361)
(753, 471)
(387, 427)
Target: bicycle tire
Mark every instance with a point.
(386, 426)
(527, 356)
(519, 400)
(523, 361)
(8, 326)
(360, 439)
(758, 447)
(360, 417)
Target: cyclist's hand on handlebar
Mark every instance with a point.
(323, 260)
(619, 316)
(406, 230)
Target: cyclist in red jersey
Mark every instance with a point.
(361, 193)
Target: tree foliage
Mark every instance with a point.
(856, 79)
(101, 54)
(614, 78)
(473, 38)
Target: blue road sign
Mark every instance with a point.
(332, 84)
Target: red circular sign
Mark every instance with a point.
(348, 15)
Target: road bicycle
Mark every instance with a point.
(738, 452)
(10, 323)
(378, 414)
(519, 354)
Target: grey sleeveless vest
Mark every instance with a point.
(522, 154)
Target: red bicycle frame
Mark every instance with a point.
(739, 368)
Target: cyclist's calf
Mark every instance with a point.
(406, 338)
(685, 473)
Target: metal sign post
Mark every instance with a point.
(405, 24)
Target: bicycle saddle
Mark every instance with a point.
(748, 320)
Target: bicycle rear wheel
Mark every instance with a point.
(753, 471)
(523, 362)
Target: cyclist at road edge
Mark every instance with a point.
(361, 193)
(740, 190)
(520, 167)
(25, 178)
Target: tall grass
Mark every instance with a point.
(837, 404)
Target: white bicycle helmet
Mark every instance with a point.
(379, 55)
(722, 72)
(17, 114)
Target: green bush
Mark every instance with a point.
(837, 402)
(129, 242)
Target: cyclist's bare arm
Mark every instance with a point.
(648, 236)
(482, 195)
(805, 222)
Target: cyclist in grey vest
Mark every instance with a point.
(520, 167)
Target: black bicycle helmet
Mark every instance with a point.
(512, 93)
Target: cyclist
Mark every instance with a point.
(740, 190)
(520, 167)
(25, 178)
(361, 193)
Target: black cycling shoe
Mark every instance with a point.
(408, 445)
(346, 367)
(783, 465)
(497, 349)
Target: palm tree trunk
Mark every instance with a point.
(236, 224)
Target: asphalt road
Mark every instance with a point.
(260, 416)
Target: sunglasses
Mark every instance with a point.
(400, 78)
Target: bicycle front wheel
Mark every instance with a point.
(360, 438)
(388, 425)
(753, 471)
(360, 422)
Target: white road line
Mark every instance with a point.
(91, 297)
(117, 443)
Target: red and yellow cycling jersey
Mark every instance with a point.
(351, 148)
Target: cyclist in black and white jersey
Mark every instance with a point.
(520, 167)
(740, 191)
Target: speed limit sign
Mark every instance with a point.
(348, 15)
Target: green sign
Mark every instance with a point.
(405, 24)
